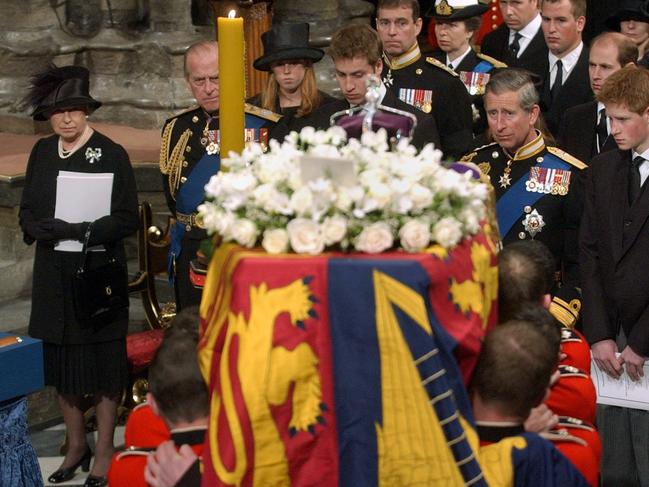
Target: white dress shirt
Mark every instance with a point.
(569, 61)
(527, 34)
(456, 62)
(644, 167)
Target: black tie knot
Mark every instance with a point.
(558, 80)
(515, 45)
(602, 130)
(634, 178)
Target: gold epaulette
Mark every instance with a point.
(171, 160)
(187, 110)
(489, 59)
(565, 313)
(468, 157)
(437, 64)
(471, 155)
(570, 159)
(262, 113)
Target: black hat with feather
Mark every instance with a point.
(58, 88)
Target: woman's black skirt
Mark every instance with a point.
(87, 368)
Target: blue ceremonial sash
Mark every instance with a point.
(189, 196)
(510, 206)
(483, 67)
(192, 192)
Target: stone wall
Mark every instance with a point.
(133, 50)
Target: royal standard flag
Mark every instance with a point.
(343, 370)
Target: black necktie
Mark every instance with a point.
(602, 130)
(558, 80)
(515, 46)
(634, 179)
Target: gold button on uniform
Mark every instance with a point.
(185, 163)
(418, 71)
(195, 119)
(521, 235)
(188, 149)
(183, 179)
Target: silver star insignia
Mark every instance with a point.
(388, 80)
(505, 181)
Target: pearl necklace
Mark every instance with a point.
(63, 154)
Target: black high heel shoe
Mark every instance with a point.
(65, 474)
(93, 481)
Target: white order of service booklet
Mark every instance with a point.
(81, 197)
(623, 391)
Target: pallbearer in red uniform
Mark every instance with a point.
(178, 395)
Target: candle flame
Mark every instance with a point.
(232, 14)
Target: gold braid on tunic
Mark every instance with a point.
(172, 164)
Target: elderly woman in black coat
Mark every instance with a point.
(81, 356)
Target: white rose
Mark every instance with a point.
(334, 229)
(471, 220)
(271, 169)
(214, 186)
(302, 201)
(245, 232)
(307, 135)
(343, 201)
(447, 232)
(215, 219)
(421, 197)
(375, 238)
(275, 241)
(414, 235)
(381, 193)
(305, 236)
(337, 135)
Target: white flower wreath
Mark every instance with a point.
(398, 197)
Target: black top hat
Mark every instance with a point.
(629, 10)
(57, 88)
(286, 41)
(457, 10)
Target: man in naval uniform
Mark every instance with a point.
(189, 156)
(538, 188)
(423, 81)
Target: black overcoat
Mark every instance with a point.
(52, 316)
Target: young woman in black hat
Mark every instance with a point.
(632, 20)
(80, 356)
(292, 89)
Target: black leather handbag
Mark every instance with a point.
(100, 291)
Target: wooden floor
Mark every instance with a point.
(143, 147)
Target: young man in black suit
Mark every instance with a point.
(356, 53)
(519, 41)
(614, 250)
(585, 130)
(565, 82)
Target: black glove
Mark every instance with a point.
(38, 231)
(62, 230)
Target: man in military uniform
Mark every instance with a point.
(538, 188)
(356, 53)
(456, 22)
(189, 156)
(423, 82)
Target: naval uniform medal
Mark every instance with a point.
(210, 138)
